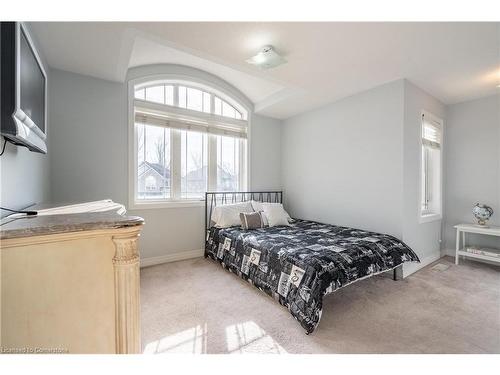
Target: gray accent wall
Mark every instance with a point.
(342, 163)
(355, 163)
(89, 138)
(25, 175)
(25, 178)
(265, 153)
(473, 165)
(89, 159)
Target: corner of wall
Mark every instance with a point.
(424, 238)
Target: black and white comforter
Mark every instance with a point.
(298, 265)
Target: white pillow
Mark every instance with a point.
(259, 206)
(276, 215)
(228, 215)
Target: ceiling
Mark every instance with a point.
(454, 62)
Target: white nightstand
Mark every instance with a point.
(477, 229)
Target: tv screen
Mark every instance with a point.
(23, 86)
(32, 84)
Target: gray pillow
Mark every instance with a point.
(252, 220)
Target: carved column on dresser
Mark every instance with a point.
(126, 266)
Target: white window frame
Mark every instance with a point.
(437, 214)
(192, 82)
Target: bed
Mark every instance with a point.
(298, 265)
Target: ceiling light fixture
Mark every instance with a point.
(267, 58)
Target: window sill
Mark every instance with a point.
(429, 217)
(166, 204)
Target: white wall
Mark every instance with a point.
(342, 164)
(265, 153)
(424, 238)
(89, 159)
(473, 165)
(25, 175)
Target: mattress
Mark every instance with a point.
(298, 265)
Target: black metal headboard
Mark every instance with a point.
(214, 198)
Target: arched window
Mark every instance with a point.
(191, 136)
(188, 97)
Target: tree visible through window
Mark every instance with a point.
(194, 164)
(228, 164)
(153, 167)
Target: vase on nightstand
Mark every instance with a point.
(482, 213)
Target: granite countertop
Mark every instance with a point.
(53, 218)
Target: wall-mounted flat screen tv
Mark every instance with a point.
(24, 89)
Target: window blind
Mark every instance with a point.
(431, 133)
(173, 121)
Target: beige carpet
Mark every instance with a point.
(195, 306)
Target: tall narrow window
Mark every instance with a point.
(187, 140)
(431, 171)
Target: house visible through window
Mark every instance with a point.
(431, 171)
(187, 140)
(153, 162)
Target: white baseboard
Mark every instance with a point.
(183, 255)
(409, 268)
